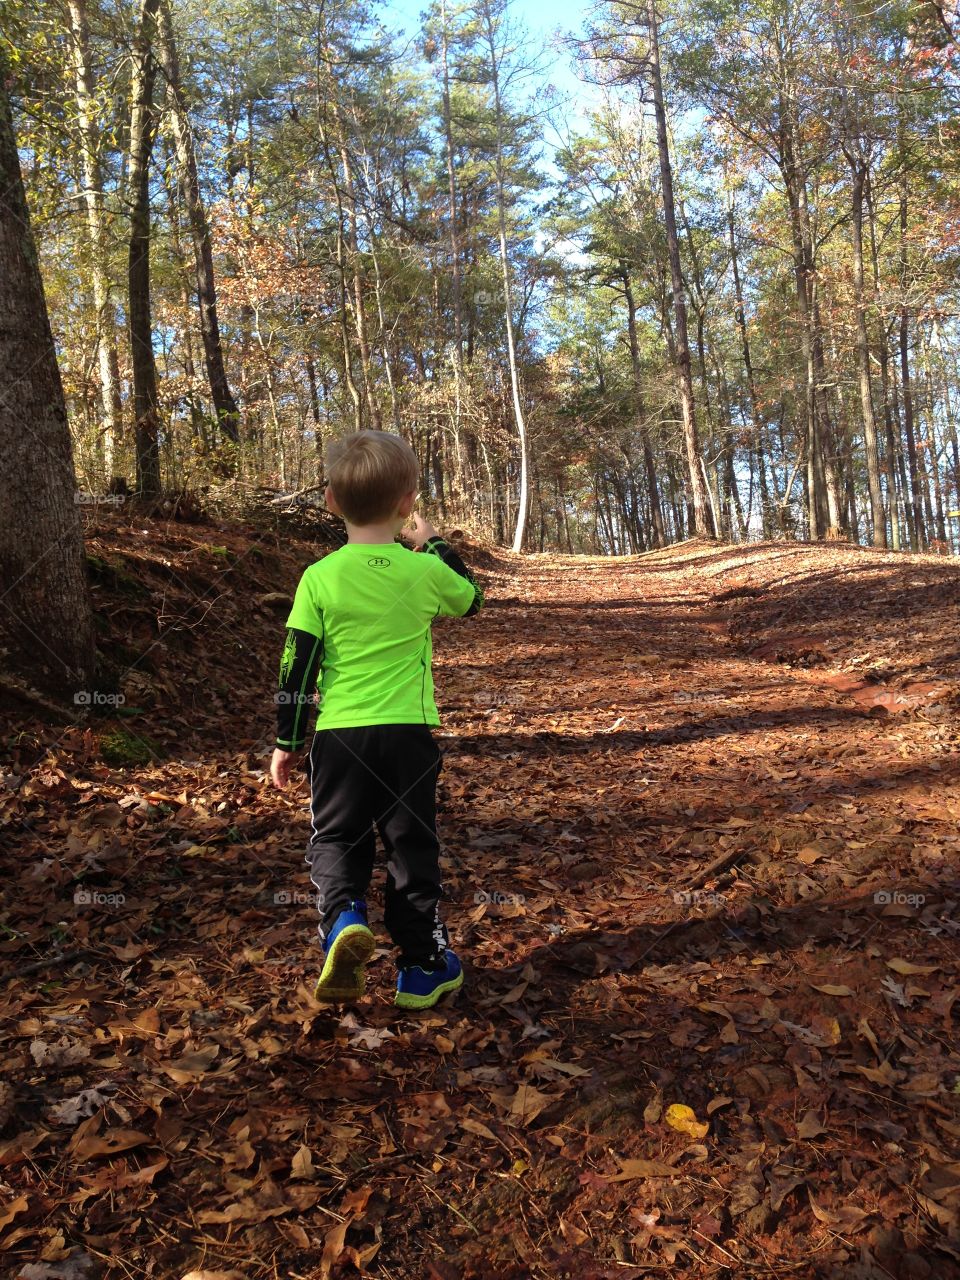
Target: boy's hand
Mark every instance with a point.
(280, 767)
(419, 530)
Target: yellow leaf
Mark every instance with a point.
(684, 1120)
(829, 989)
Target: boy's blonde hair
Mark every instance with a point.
(369, 472)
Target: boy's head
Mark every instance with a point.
(370, 474)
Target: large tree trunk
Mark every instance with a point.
(107, 362)
(45, 613)
(224, 404)
(146, 400)
(703, 519)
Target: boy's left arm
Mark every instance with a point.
(437, 546)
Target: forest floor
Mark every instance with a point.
(700, 814)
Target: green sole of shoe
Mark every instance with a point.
(405, 1000)
(342, 976)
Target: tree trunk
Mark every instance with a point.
(107, 362)
(321, 106)
(146, 399)
(46, 614)
(451, 189)
(877, 515)
(522, 497)
(703, 522)
(893, 502)
(224, 404)
(919, 540)
(659, 538)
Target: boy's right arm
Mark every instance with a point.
(299, 668)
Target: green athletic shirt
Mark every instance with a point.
(371, 607)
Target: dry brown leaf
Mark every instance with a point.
(89, 1146)
(906, 967)
(301, 1166)
(631, 1169)
(191, 1066)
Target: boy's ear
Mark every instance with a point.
(405, 505)
(330, 498)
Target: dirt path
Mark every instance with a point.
(612, 729)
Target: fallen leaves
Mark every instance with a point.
(703, 877)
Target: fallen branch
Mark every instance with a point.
(725, 860)
(61, 957)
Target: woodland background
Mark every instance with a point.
(716, 294)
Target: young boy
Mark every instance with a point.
(360, 625)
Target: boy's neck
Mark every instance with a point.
(372, 534)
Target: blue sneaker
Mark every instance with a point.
(419, 988)
(349, 946)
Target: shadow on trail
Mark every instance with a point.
(755, 929)
(546, 742)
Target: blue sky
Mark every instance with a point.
(547, 22)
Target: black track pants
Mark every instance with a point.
(383, 777)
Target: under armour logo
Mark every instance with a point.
(378, 562)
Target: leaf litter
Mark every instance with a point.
(699, 819)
